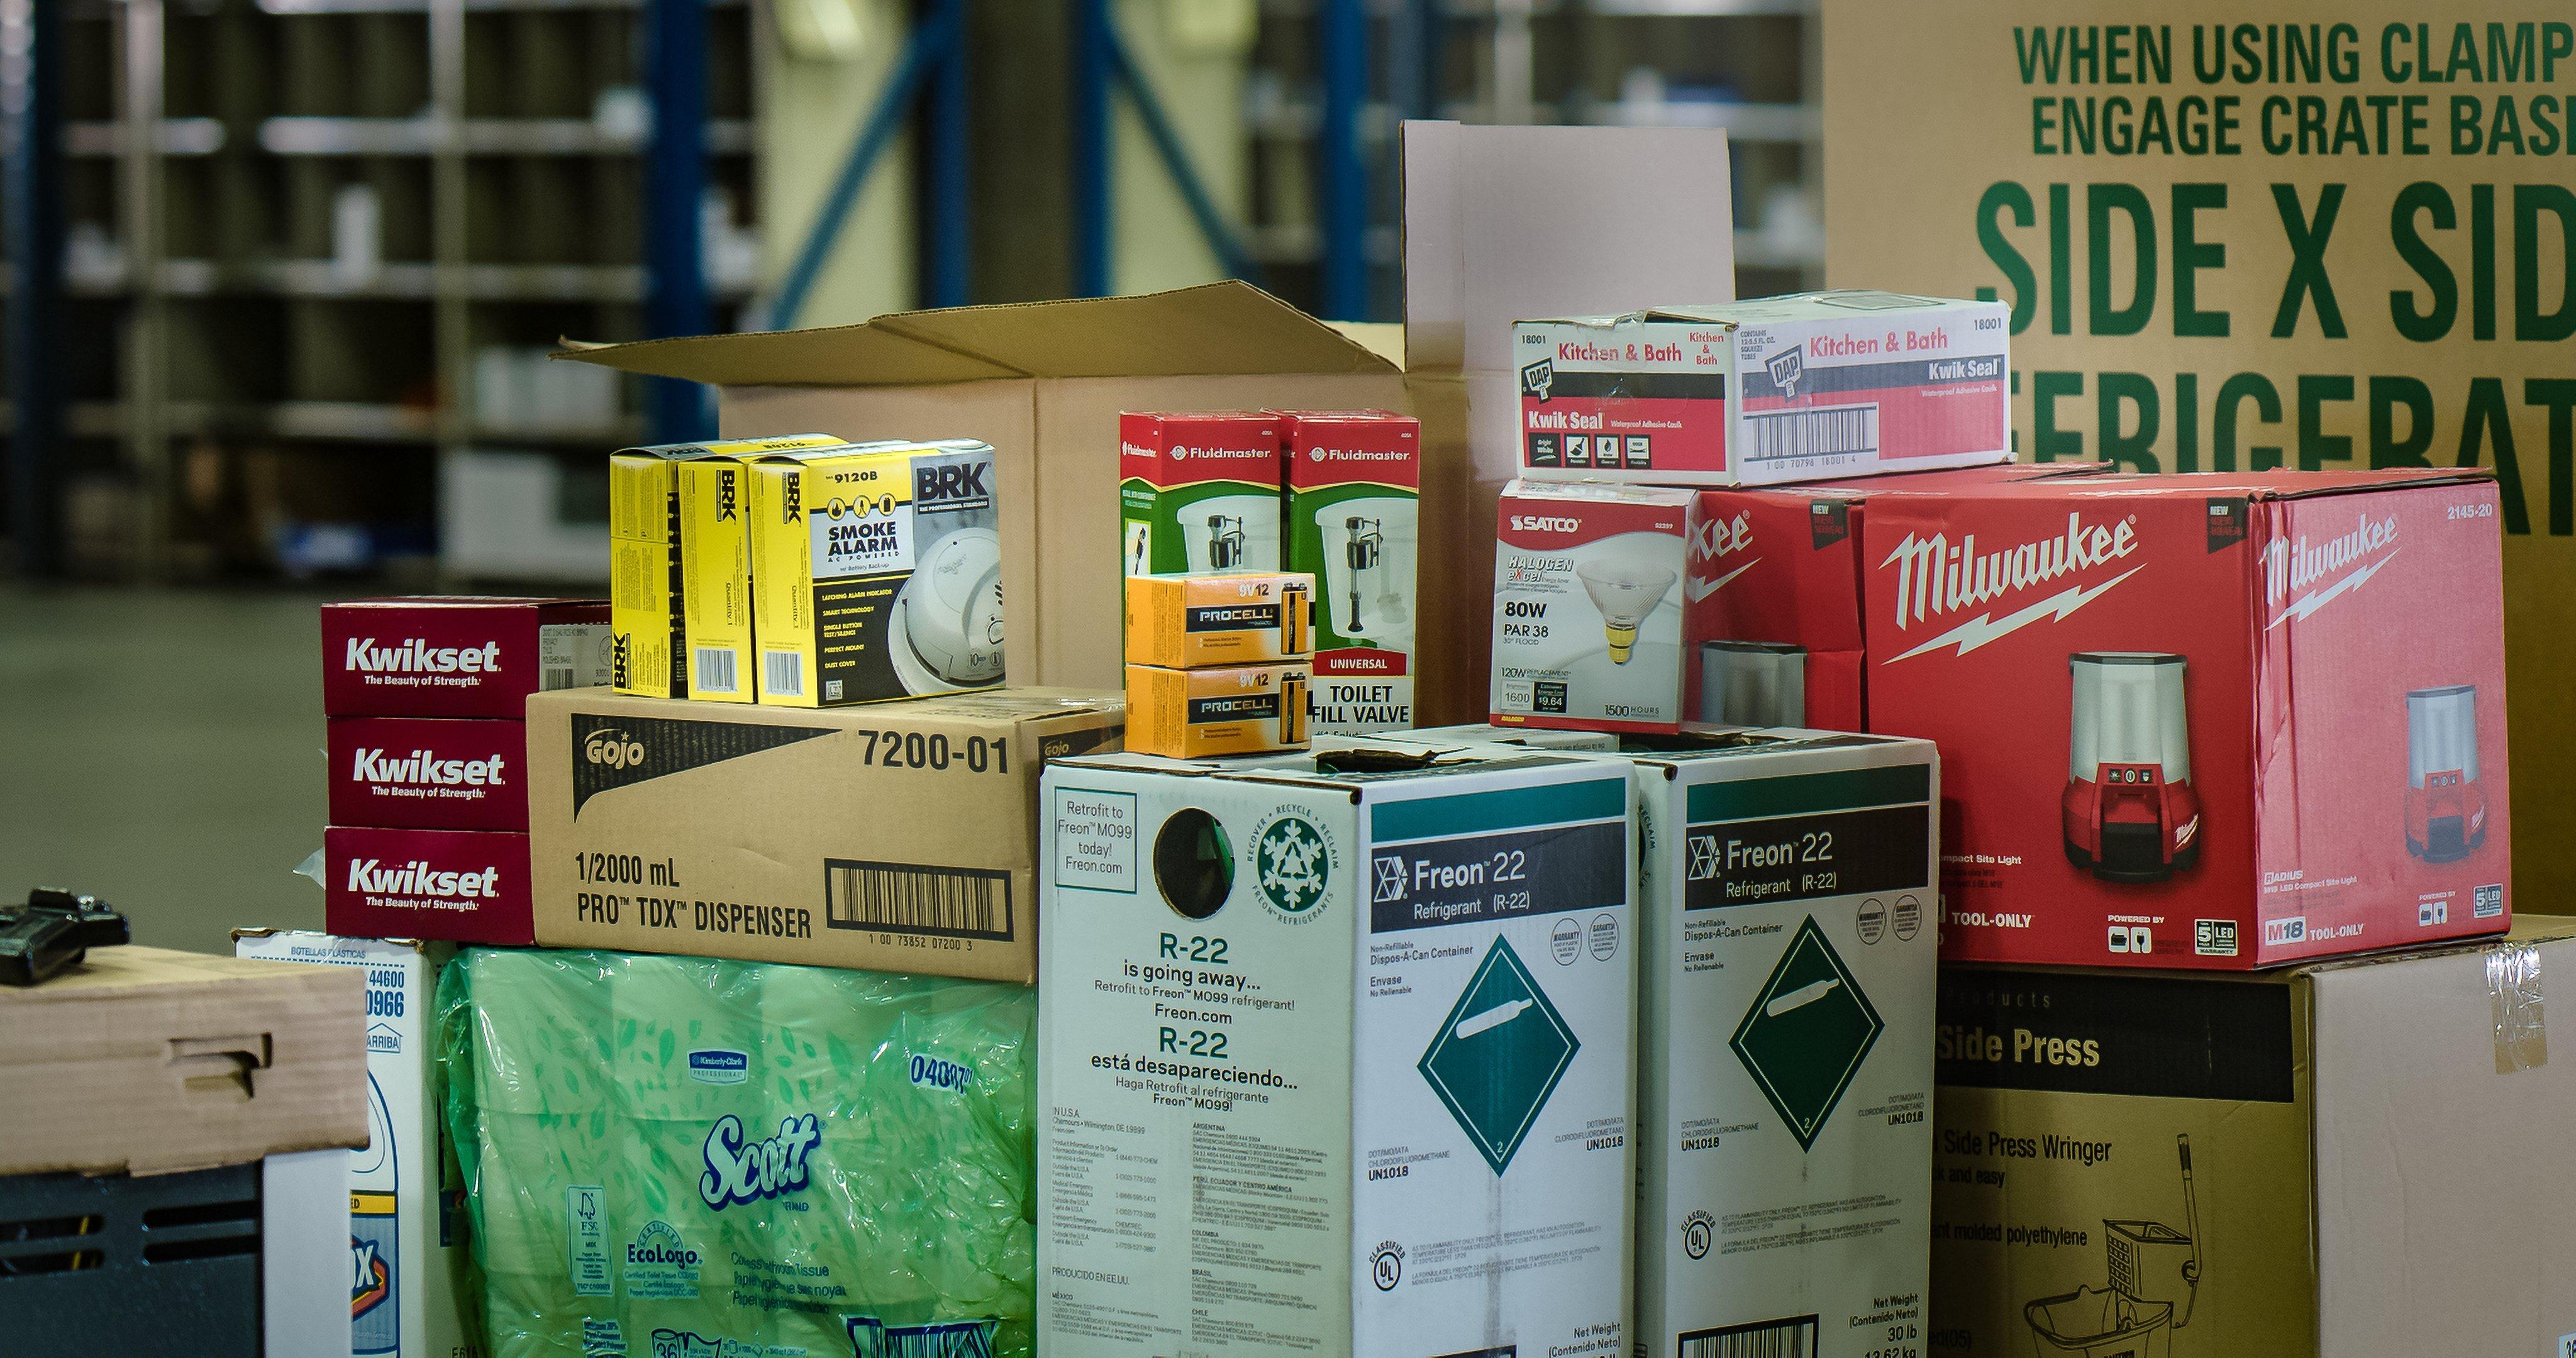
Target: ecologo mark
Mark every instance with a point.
(415, 655)
(614, 748)
(425, 767)
(2291, 566)
(741, 1171)
(416, 878)
(1936, 577)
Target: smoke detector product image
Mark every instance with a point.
(1625, 592)
(2446, 807)
(951, 611)
(2130, 812)
(1753, 683)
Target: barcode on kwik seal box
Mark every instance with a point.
(1819, 384)
(457, 655)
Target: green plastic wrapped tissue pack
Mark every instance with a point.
(681, 1157)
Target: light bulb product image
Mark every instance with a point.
(1625, 592)
(2446, 805)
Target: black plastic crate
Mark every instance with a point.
(159, 1264)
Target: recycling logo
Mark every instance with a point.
(1807, 1033)
(1293, 865)
(1498, 1055)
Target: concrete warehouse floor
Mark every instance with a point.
(163, 750)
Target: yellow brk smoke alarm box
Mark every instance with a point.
(1190, 621)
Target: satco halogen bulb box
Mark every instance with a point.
(648, 587)
(1188, 621)
(1588, 606)
(878, 570)
(1198, 491)
(1228, 709)
(1814, 384)
(457, 655)
(1353, 522)
(1339, 1059)
(408, 1295)
(1787, 936)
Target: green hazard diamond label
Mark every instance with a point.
(1499, 1055)
(1808, 1031)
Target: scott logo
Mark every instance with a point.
(743, 1171)
(2295, 565)
(1934, 577)
(1545, 523)
(614, 748)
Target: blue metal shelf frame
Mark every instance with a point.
(1103, 67)
(31, 182)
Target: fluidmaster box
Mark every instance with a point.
(1354, 478)
(1587, 622)
(877, 569)
(1337, 1061)
(900, 837)
(1783, 1099)
(1198, 491)
(407, 1247)
(1779, 389)
(648, 586)
(671, 1157)
(2224, 720)
(2365, 1157)
(457, 655)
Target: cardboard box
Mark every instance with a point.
(457, 655)
(1235, 709)
(1045, 382)
(2153, 322)
(1480, 733)
(464, 886)
(878, 572)
(428, 773)
(142, 1060)
(406, 1245)
(1775, 389)
(2362, 1157)
(1188, 621)
(833, 838)
(1198, 491)
(648, 588)
(1786, 961)
(1773, 600)
(1587, 622)
(1405, 997)
(2098, 656)
(1355, 524)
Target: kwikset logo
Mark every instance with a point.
(417, 878)
(1936, 577)
(423, 768)
(2289, 566)
(414, 655)
(1545, 523)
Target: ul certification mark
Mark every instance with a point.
(1698, 1229)
(1386, 1266)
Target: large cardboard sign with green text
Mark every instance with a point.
(2241, 235)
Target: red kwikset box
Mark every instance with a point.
(1772, 603)
(457, 656)
(428, 773)
(467, 886)
(2202, 721)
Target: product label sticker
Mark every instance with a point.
(586, 1226)
(602, 1339)
(1095, 839)
(572, 655)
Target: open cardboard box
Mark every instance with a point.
(1500, 223)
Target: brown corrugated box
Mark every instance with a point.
(146, 1061)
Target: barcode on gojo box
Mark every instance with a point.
(1794, 1338)
(1833, 432)
(907, 898)
(714, 669)
(783, 673)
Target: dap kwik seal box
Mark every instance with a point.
(1339, 1056)
(878, 572)
(1354, 480)
(1842, 383)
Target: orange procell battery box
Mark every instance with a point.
(1243, 709)
(1193, 621)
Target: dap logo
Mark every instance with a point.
(1386, 1266)
(1537, 378)
(613, 748)
(1787, 366)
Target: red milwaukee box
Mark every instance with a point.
(428, 773)
(2202, 721)
(457, 656)
(467, 886)
(1772, 600)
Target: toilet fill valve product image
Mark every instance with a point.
(2446, 808)
(2130, 812)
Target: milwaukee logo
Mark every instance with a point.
(415, 655)
(1936, 577)
(416, 878)
(1544, 523)
(2289, 566)
(1714, 540)
(425, 768)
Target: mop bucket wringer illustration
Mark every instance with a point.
(2152, 1283)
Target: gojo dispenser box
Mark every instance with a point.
(2202, 721)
